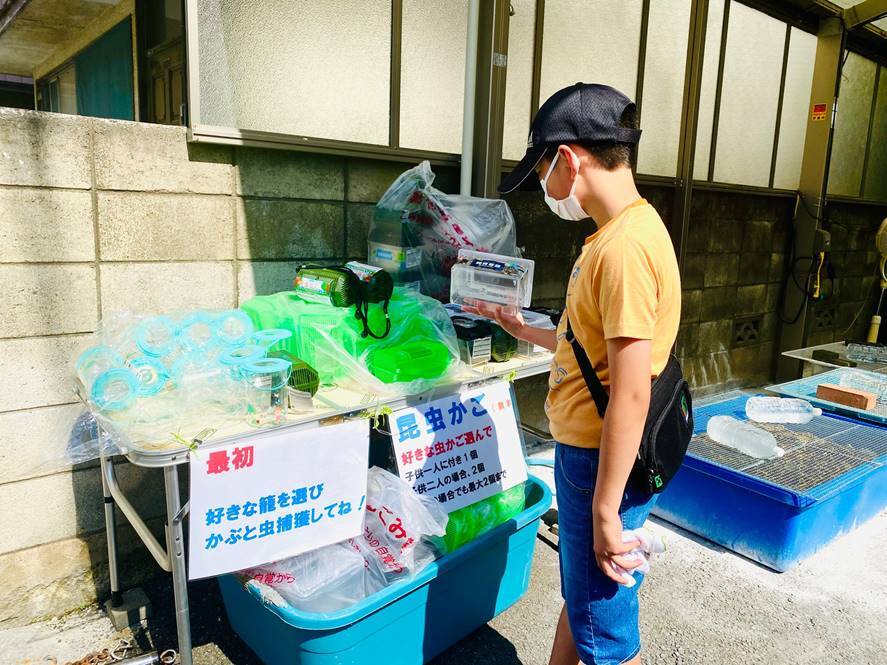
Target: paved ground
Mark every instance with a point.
(701, 604)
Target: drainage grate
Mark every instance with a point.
(820, 456)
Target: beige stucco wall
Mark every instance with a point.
(101, 215)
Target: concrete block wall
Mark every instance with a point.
(847, 313)
(98, 216)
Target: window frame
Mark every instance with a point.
(199, 132)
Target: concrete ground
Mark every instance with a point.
(701, 604)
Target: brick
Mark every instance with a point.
(715, 336)
(769, 327)
(710, 370)
(693, 276)
(165, 227)
(44, 149)
(70, 504)
(752, 363)
(36, 371)
(47, 299)
(691, 305)
(157, 158)
(150, 288)
(73, 573)
(758, 237)
(369, 179)
(725, 235)
(357, 221)
(35, 441)
(273, 229)
(721, 270)
(777, 268)
(45, 225)
(286, 174)
(754, 268)
(751, 299)
(697, 237)
(264, 277)
(774, 292)
(858, 399)
(687, 344)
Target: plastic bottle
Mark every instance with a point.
(780, 410)
(744, 437)
(396, 247)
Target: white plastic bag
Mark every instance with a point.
(417, 230)
(325, 580)
(400, 529)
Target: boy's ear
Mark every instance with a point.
(570, 157)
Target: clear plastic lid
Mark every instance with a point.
(504, 280)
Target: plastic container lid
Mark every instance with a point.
(115, 389)
(96, 360)
(268, 373)
(424, 359)
(470, 329)
(270, 336)
(156, 336)
(241, 354)
(234, 327)
(151, 374)
(197, 332)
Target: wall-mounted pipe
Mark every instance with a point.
(468, 104)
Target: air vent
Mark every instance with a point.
(824, 318)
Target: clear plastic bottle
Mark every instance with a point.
(780, 410)
(744, 437)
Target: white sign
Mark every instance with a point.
(460, 449)
(275, 495)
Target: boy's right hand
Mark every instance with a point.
(509, 317)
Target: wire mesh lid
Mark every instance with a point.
(821, 457)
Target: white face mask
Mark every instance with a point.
(568, 208)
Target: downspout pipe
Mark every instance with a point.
(468, 104)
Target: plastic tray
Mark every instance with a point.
(778, 512)
(806, 389)
(409, 622)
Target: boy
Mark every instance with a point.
(623, 303)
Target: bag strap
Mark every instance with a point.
(595, 387)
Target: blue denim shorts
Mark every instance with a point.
(603, 615)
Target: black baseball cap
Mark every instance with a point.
(587, 112)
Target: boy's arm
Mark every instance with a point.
(629, 362)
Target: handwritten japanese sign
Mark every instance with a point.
(460, 449)
(275, 495)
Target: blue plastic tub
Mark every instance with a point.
(779, 512)
(410, 622)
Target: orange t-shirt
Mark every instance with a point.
(625, 283)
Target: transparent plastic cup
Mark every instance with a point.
(152, 374)
(266, 382)
(197, 332)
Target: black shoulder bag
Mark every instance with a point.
(669, 424)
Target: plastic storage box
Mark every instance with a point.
(492, 278)
(832, 477)
(409, 622)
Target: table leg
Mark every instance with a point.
(111, 533)
(175, 546)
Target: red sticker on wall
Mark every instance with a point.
(819, 111)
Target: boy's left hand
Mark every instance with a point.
(609, 548)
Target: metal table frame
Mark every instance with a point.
(172, 558)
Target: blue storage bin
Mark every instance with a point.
(409, 622)
(832, 478)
